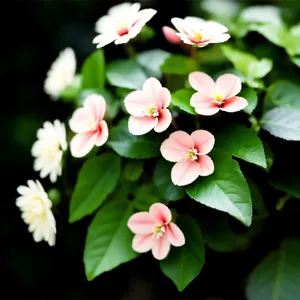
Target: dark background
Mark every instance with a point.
(33, 34)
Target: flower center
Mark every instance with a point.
(122, 28)
(92, 125)
(152, 111)
(218, 95)
(192, 154)
(158, 231)
(197, 37)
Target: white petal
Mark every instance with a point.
(104, 39)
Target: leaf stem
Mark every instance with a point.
(130, 50)
(193, 52)
(254, 124)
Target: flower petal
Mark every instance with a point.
(141, 19)
(161, 212)
(161, 247)
(79, 121)
(102, 135)
(141, 125)
(230, 84)
(141, 223)
(206, 165)
(176, 146)
(170, 35)
(104, 39)
(202, 82)
(82, 143)
(178, 23)
(175, 235)
(137, 102)
(234, 104)
(185, 172)
(220, 38)
(163, 121)
(142, 243)
(122, 40)
(204, 105)
(152, 88)
(204, 141)
(96, 105)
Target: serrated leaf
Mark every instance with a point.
(108, 242)
(179, 64)
(133, 169)
(181, 98)
(97, 178)
(251, 96)
(185, 263)
(144, 197)
(225, 190)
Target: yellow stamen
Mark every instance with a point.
(152, 111)
(218, 95)
(158, 231)
(198, 36)
(192, 154)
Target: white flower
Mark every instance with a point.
(61, 73)
(196, 31)
(48, 149)
(36, 211)
(122, 23)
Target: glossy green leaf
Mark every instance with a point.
(225, 190)
(108, 242)
(133, 170)
(291, 43)
(93, 71)
(185, 263)
(241, 142)
(251, 96)
(181, 98)
(163, 183)
(179, 64)
(144, 197)
(134, 146)
(277, 276)
(282, 123)
(97, 178)
(126, 74)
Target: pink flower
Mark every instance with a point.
(211, 96)
(87, 122)
(154, 230)
(122, 23)
(148, 108)
(198, 32)
(189, 153)
(171, 35)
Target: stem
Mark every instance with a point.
(193, 52)
(281, 202)
(197, 122)
(174, 124)
(130, 50)
(255, 124)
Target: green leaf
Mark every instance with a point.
(96, 180)
(134, 146)
(296, 61)
(289, 183)
(93, 71)
(181, 98)
(285, 93)
(133, 170)
(291, 43)
(146, 34)
(277, 276)
(126, 74)
(108, 242)
(144, 197)
(251, 96)
(225, 190)
(241, 142)
(179, 64)
(282, 123)
(185, 263)
(156, 57)
(70, 93)
(163, 183)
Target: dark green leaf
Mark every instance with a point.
(144, 197)
(289, 183)
(179, 64)
(181, 98)
(133, 170)
(251, 96)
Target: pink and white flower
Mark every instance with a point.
(189, 153)
(171, 35)
(198, 32)
(154, 231)
(148, 108)
(214, 96)
(88, 123)
(122, 23)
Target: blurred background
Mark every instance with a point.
(34, 33)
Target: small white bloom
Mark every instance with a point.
(36, 211)
(196, 31)
(48, 149)
(122, 23)
(61, 73)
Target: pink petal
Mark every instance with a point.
(142, 243)
(170, 35)
(137, 103)
(152, 87)
(230, 84)
(143, 17)
(206, 165)
(82, 143)
(102, 135)
(79, 122)
(141, 223)
(201, 82)
(163, 121)
(161, 247)
(165, 98)
(161, 212)
(176, 146)
(204, 141)
(204, 105)
(185, 172)
(234, 104)
(96, 105)
(141, 125)
(175, 235)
